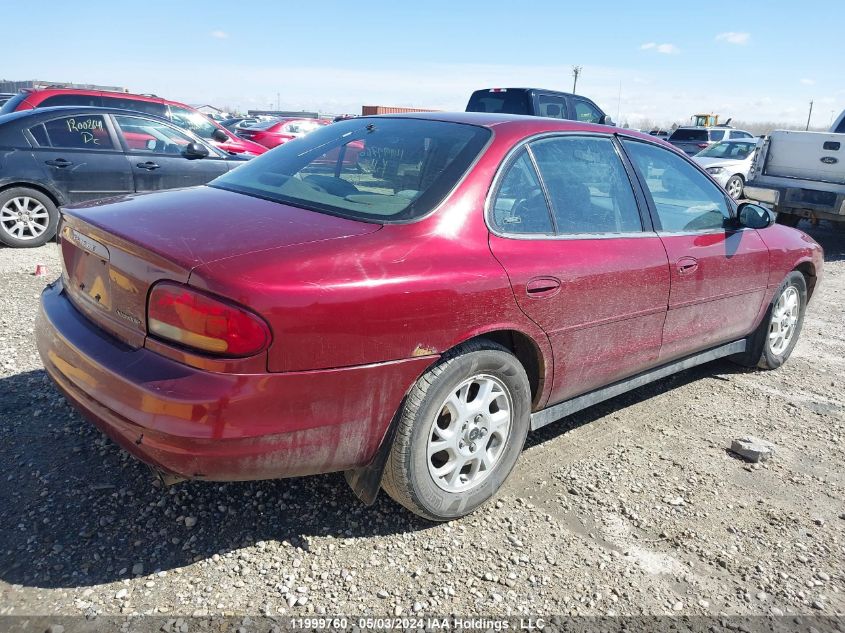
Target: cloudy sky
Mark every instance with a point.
(663, 61)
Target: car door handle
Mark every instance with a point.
(149, 165)
(687, 265)
(59, 162)
(541, 287)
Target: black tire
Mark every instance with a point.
(20, 193)
(787, 219)
(407, 478)
(735, 181)
(759, 352)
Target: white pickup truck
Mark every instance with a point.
(801, 174)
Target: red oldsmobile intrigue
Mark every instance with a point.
(409, 318)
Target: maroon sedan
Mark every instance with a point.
(410, 318)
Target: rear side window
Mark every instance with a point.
(147, 107)
(588, 186)
(688, 134)
(840, 129)
(71, 99)
(79, 132)
(40, 135)
(375, 169)
(551, 106)
(717, 135)
(520, 206)
(508, 102)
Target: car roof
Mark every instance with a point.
(150, 98)
(46, 112)
(516, 122)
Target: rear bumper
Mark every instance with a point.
(806, 202)
(225, 427)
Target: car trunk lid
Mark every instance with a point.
(113, 253)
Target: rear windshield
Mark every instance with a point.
(12, 104)
(376, 169)
(509, 102)
(687, 134)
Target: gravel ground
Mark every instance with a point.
(631, 507)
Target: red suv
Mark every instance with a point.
(182, 115)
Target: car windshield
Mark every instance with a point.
(689, 134)
(734, 150)
(375, 169)
(12, 103)
(192, 121)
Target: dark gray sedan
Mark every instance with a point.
(55, 156)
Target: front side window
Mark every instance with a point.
(588, 187)
(192, 121)
(685, 199)
(520, 206)
(79, 132)
(551, 106)
(381, 169)
(586, 112)
(145, 135)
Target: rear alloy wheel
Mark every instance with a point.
(28, 218)
(734, 186)
(460, 433)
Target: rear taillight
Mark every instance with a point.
(196, 320)
(702, 145)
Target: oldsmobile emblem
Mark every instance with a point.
(128, 317)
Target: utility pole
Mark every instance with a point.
(576, 70)
(619, 101)
(278, 102)
(808, 116)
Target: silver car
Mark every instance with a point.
(691, 140)
(729, 163)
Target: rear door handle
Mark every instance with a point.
(541, 287)
(687, 265)
(59, 162)
(149, 165)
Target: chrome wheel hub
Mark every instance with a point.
(24, 218)
(469, 434)
(784, 320)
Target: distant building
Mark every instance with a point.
(34, 84)
(368, 110)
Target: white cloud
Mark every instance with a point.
(734, 38)
(808, 82)
(666, 49)
(220, 35)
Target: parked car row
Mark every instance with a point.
(59, 155)
(182, 115)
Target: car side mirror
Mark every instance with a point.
(606, 120)
(753, 216)
(219, 135)
(195, 150)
